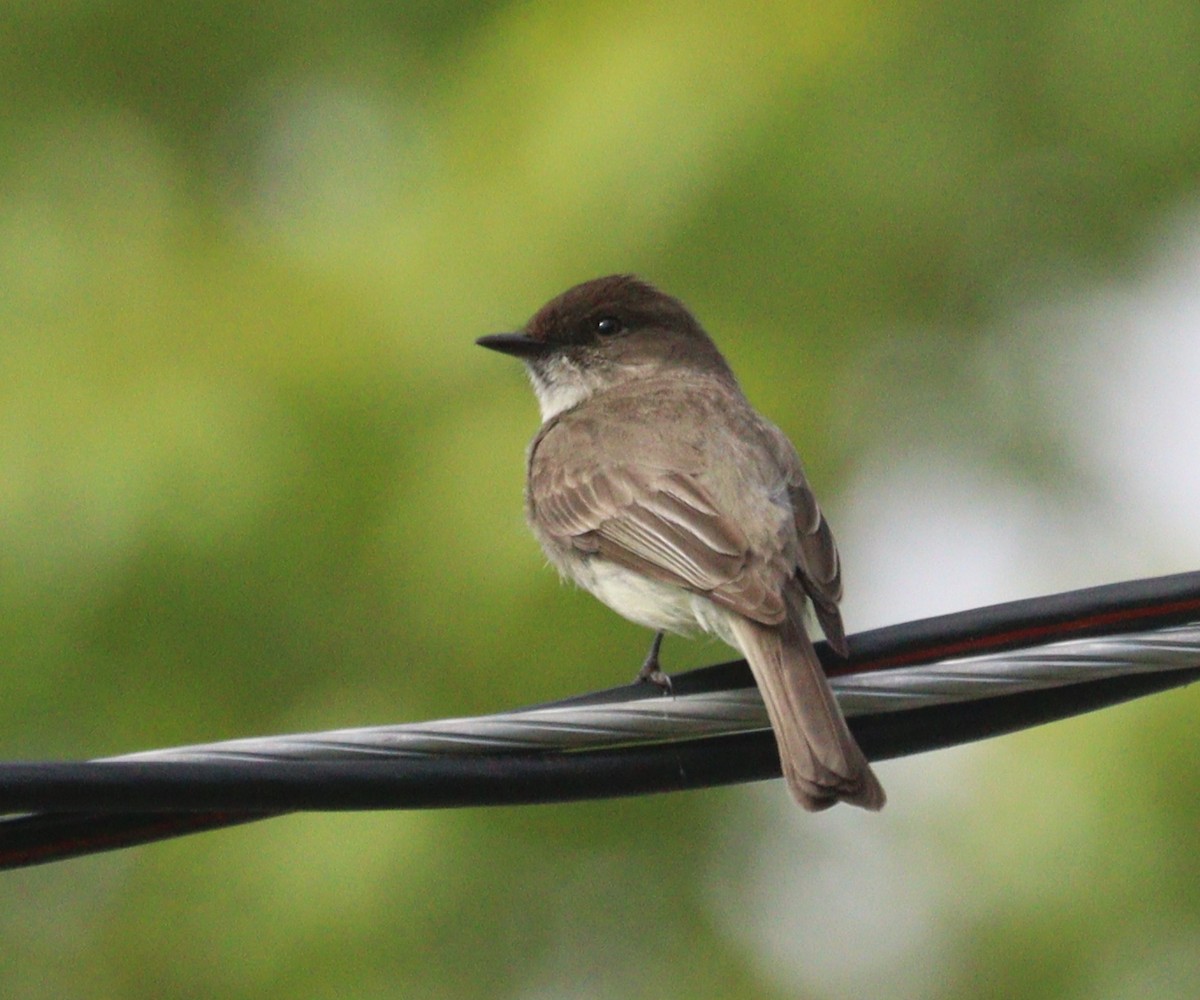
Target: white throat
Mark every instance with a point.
(561, 386)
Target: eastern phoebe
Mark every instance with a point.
(653, 484)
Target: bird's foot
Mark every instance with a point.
(650, 672)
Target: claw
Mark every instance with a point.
(650, 672)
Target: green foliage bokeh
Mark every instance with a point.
(254, 476)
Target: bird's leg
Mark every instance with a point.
(650, 672)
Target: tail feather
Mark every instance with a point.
(821, 761)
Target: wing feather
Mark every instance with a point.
(818, 567)
(646, 513)
(664, 525)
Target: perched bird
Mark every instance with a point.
(654, 485)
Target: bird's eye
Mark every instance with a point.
(608, 325)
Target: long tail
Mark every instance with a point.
(821, 761)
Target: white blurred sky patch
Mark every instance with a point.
(845, 903)
(932, 533)
(936, 527)
(1128, 388)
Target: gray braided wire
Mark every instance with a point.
(669, 718)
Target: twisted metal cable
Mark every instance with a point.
(1056, 664)
(907, 688)
(716, 713)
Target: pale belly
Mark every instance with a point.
(658, 606)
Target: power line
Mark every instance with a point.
(906, 689)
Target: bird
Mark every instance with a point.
(653, 484)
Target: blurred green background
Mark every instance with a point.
(255, 477)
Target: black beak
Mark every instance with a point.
(519, 345)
